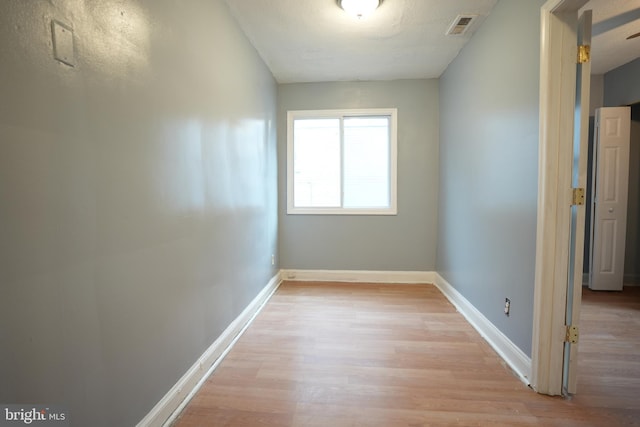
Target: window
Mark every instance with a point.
(342, 162)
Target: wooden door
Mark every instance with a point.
(578, 210)
(609, 206)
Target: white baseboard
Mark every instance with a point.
(629, 279)
(359, 276)
(170, 406)
(167, 409)
(519, 362)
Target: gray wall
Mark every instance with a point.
(596, 100)
(622, 87)
(488, 168)
(596, 95)
(406, 241)
(138, 198)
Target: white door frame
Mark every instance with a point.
(558, 53)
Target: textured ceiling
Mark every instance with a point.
(315, 40)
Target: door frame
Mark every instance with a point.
(558, 53)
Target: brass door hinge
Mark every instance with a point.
(572, 334)
(577, 196)
(584, 53)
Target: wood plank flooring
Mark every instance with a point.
(609, 354)
(337, 354)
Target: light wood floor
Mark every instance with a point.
(328, 354)
(609, 354)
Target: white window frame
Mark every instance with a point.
(392, 113)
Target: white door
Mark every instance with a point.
(578, 210)
(609, 207)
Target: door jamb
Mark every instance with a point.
(558, 52)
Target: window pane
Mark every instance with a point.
(316, 163)
(366, 162)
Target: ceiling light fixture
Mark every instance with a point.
(359, 8)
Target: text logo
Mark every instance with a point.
(33, 415)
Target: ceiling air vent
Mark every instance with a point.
(460, 25)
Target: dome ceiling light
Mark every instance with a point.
(359, 8)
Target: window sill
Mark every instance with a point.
(341, 211)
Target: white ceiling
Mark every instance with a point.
(613, 22)
(316, 41)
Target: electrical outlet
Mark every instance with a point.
(507, 306)
(273, 259)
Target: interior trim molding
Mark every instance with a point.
(629, 279)
(363, 276)
(632, 279)
(558, 36)
(170, 406)
(517, 360)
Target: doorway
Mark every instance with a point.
(607, 350)
(559, 40)
(557, 96)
